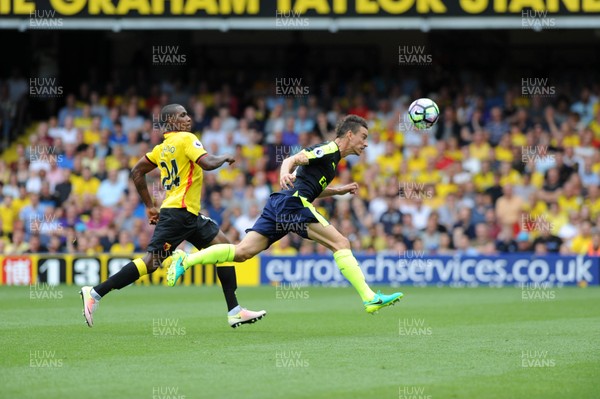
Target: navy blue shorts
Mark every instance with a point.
(284, 214)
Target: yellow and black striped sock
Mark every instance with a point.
(127, 275)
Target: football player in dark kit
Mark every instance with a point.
(304, 177)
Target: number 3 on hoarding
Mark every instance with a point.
(86, 271)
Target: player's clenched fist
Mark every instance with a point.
(351, 188)
(152, 214)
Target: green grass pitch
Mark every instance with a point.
(437, 343)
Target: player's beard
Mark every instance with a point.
(185, 127)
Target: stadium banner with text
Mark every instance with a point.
(83, 270)
(501, 270)
(295, 8)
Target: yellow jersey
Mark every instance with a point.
(180, 176)
(7, 216)
(483, 181)
(118, 249)
(82, 187)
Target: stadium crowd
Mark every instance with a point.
(500, 172)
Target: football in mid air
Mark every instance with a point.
(423, 113)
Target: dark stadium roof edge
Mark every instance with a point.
(312, 23)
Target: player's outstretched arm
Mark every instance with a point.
(351, 188)
(138, 175)
(212, 162)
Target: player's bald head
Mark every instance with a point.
(174, 117)
(169, 112)
(352, 123)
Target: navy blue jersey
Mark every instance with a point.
(313, 178)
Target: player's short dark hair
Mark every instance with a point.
(168, 112)
(350, 122)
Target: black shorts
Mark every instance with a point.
(176, 225)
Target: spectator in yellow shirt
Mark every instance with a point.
(18, 245)
(453, 151)
(416, 162)
(556, 217)
(509, 175)
(7, 215)
(113, 161)
(479, 148)
(124, 246)
(592, 201)
(581, 242)
(91, 135)
(94, 246)
(283, 248)
(570, 139)
(85, 120)
(568, 200)
(485, 178)
(430, 175)
(517, 138)
(90, 160)
(389, 162)
(85, 184)
(253, 152)
(428, 150)
(21, 201)
(503, 150)
(228, 174)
